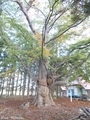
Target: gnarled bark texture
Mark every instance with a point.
(44, 97)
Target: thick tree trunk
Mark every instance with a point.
(44, 97)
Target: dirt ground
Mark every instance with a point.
(63, 110)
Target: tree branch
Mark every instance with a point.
(26, 15)
(44, 29)
(50, 13)
(38, 10)
(70, 71)
(82, 62)
(54, 20)
(63, 82)
(86, 45)
(29, 4)
(68, 28)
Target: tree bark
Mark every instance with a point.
(44, 97)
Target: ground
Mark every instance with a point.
(63, 110)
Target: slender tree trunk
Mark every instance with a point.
(7, 87)
(24, 84)
(2, 86)
(57, 91)
(21, 80)
(9, 83)
(28, 87)
(44, 97)
(17, 83)
(12, 83)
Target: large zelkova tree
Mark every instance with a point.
(47, 25)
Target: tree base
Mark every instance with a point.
(44, 97)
